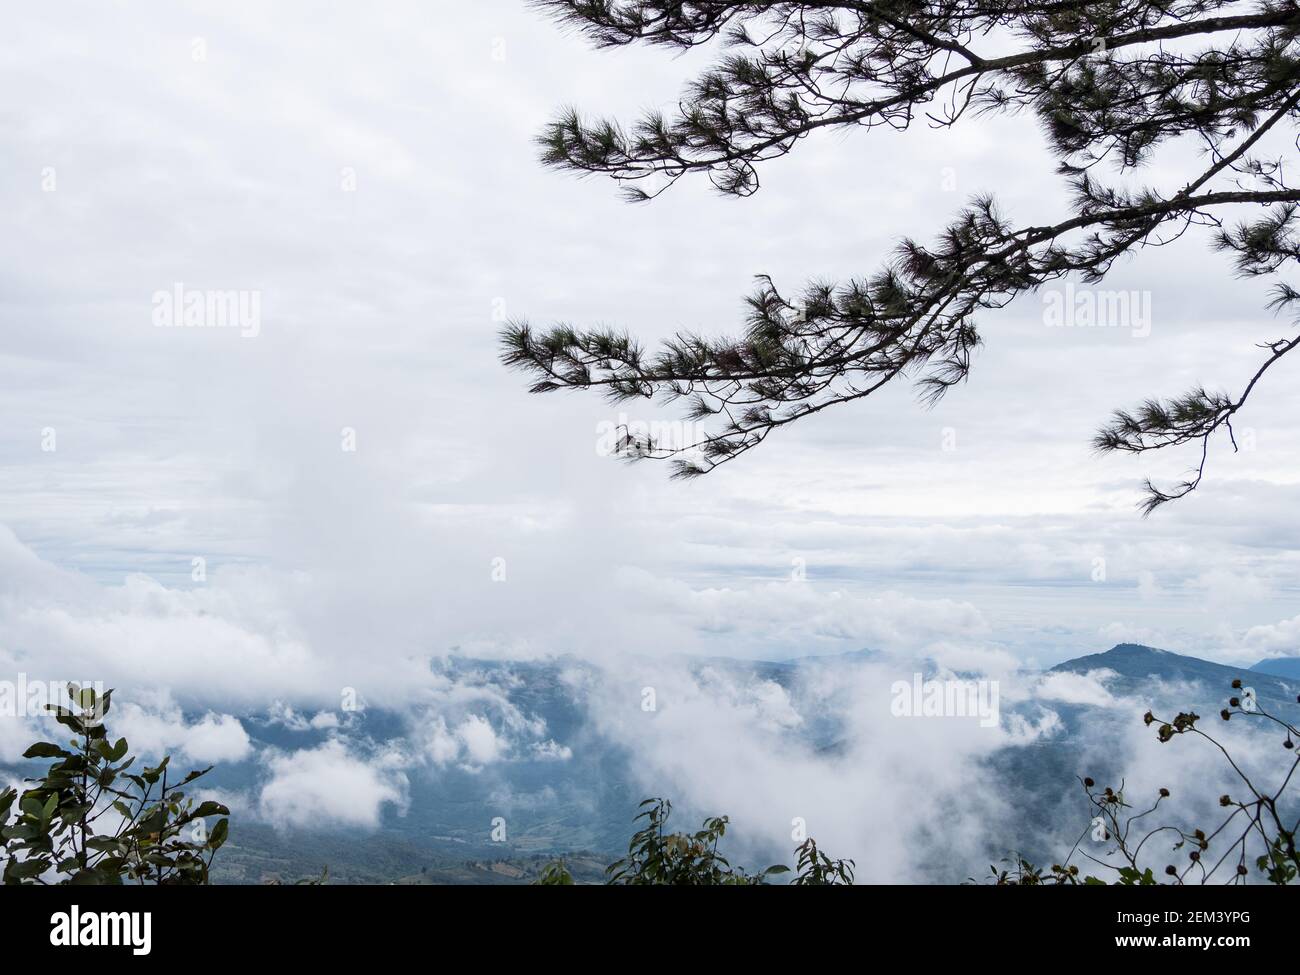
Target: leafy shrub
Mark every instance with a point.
(655, 856)
(658, 857)
(816, 869)
(1255, 822)
(91, 820)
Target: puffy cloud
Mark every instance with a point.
(828, 754)
(330, 785)
(440, 745)
(19, 731)
(283, 714)
(1280, 639)
(1069, 687)
(473, 742)
(481, 742)
(551, 751)
(214, 738)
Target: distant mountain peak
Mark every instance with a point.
(1135, 663)
(1130, 649)
(1126, 658)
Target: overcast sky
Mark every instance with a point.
(368, 172)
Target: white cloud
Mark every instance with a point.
(17, 732)
(216, 738)
(440, 745)
(551, 750)
(804, 617)
(1226, 586)
(329, 785)
(1281, 638)
(481, 742)
(1148, 586)
(283, 714)
(865, 783)
(997, 535)
(1069, 687)
(213, 739)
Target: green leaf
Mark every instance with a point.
(45, 749)
(19, 831)
(151, 775)
(218, 835)
(17, 871)
(96, 876)
(112, 752)
(153, 822)
(209, 808)
(32, 806)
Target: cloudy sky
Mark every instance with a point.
(368, 173)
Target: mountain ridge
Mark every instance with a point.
(1137, 662)
(1279, 667)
